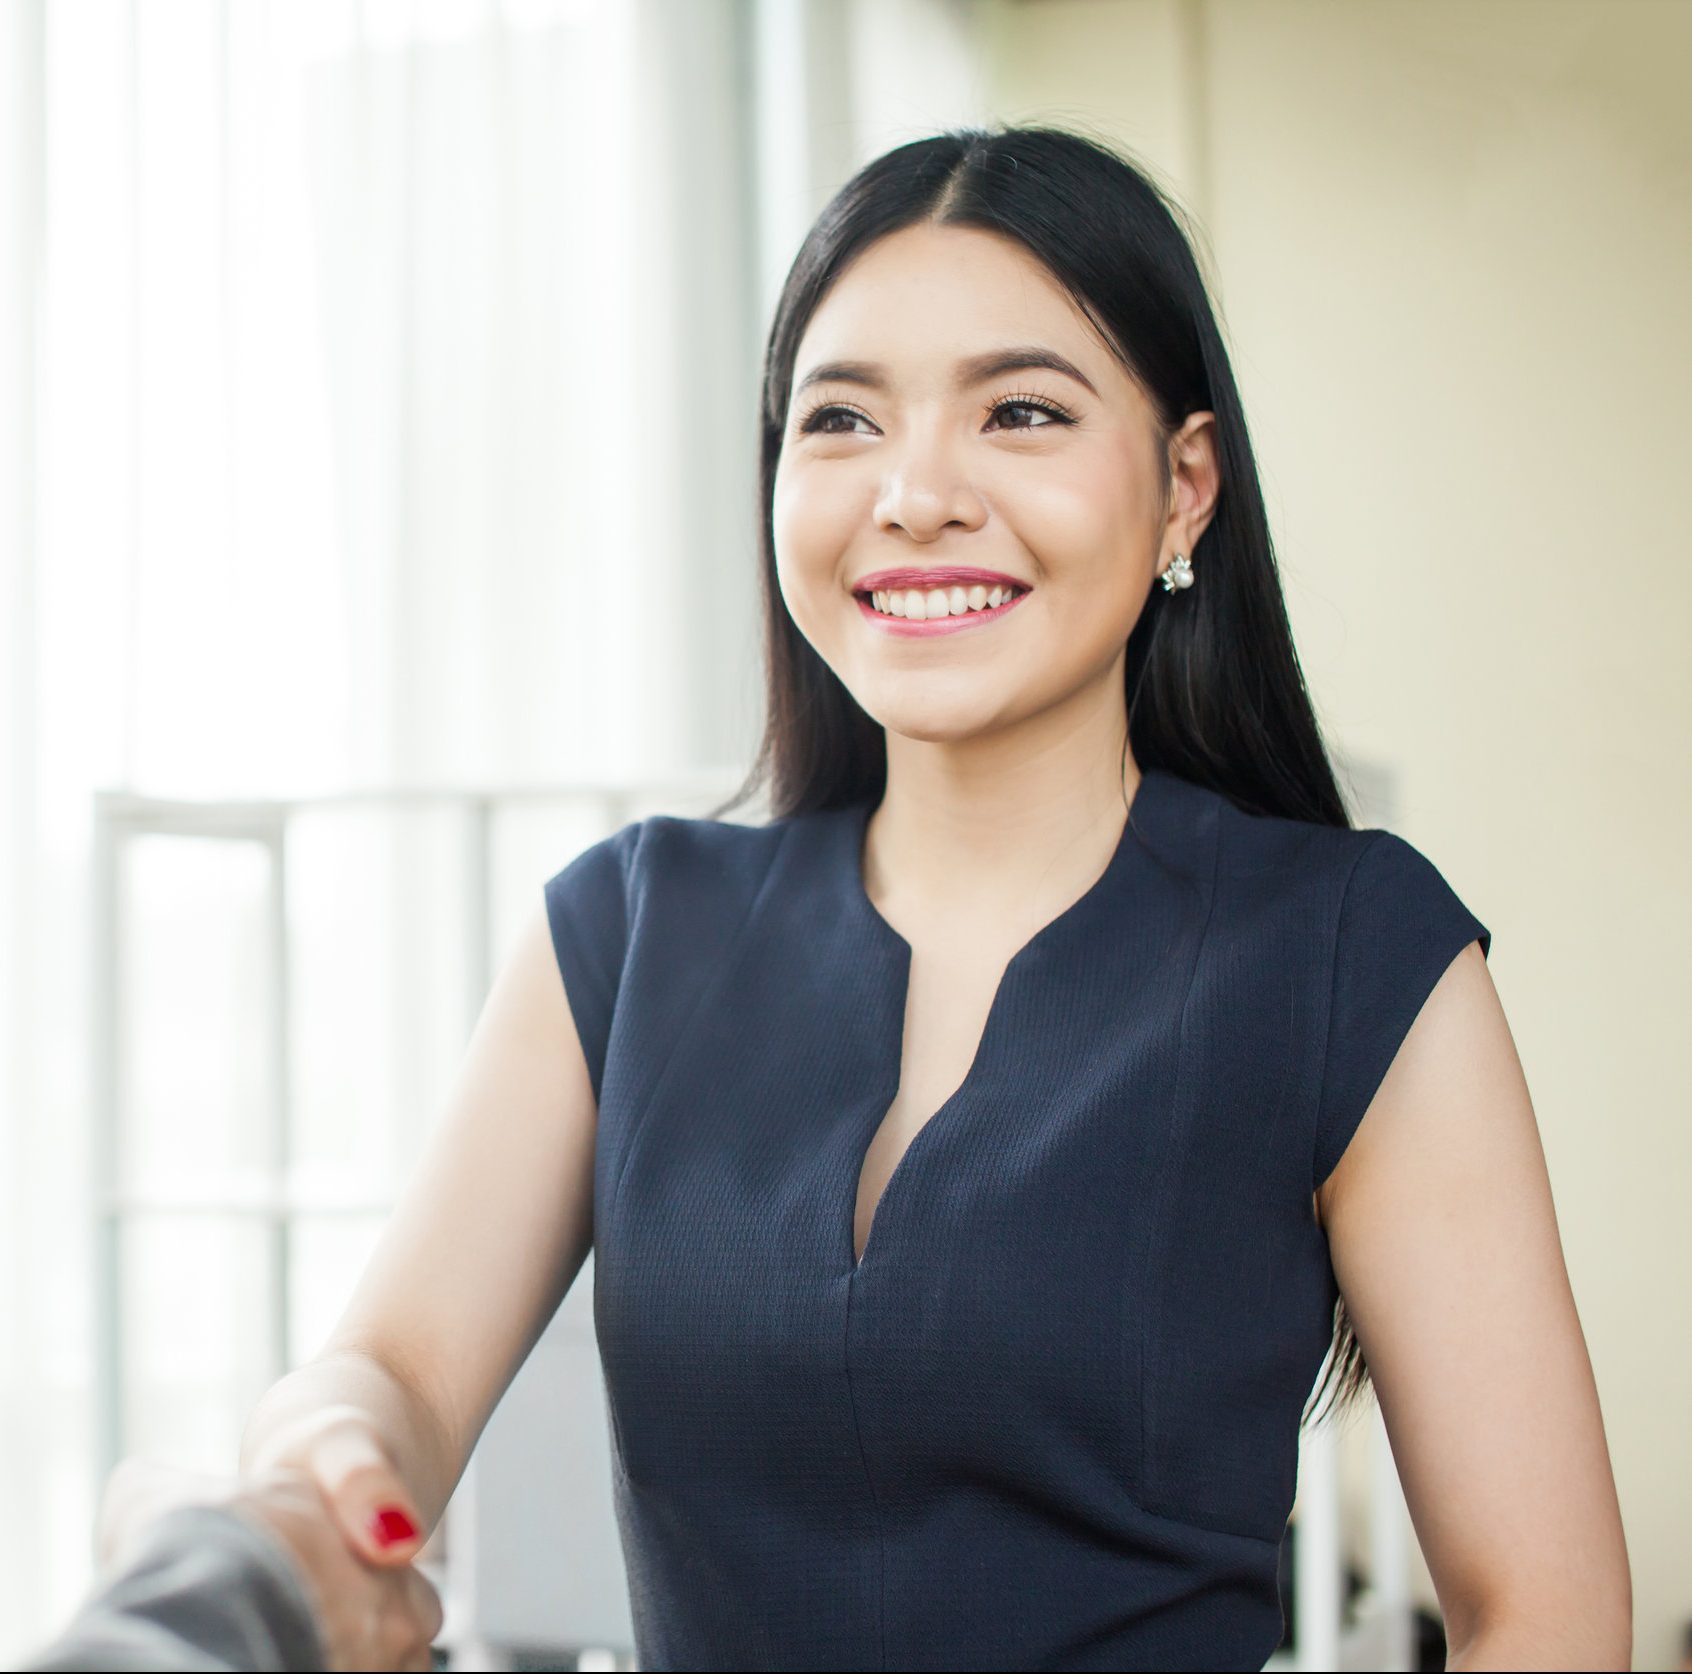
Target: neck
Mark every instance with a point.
(1024, 815)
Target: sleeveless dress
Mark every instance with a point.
(1051, 1419)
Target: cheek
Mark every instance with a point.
(811, 522)
(1087, 521)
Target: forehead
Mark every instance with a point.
(925, 297)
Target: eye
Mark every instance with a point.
(1054, 413)
(816, 421)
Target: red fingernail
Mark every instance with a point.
(390, 1526)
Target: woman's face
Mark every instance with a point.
(911, 463)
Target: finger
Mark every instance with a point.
(401, 1636)
(370, 1502)
(425, 1604)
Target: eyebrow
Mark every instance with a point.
(977, 369)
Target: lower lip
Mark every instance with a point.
(905, 628)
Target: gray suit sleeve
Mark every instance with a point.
(205, 1590)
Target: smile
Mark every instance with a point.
(953, 621)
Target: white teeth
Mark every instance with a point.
(934, 602)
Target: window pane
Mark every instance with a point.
(329, 1254)
(380, 975)
(196, 1350)
(194, 994)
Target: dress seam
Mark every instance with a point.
(707, 991)
(869, 1478)
(1145, 1489)
(1332, 995)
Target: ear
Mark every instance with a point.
(1195, 474)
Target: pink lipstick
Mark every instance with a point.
(942, 578)
(937, 575)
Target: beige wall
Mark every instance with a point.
(1453, 244)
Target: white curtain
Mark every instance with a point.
(377, 388)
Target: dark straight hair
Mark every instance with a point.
(1214, 690)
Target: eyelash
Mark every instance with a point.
(1058, 414)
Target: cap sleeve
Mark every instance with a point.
(587, 909)
(1400, 926)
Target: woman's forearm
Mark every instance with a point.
(410, 1429)
(1541, 1639)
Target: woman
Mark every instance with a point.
(974, 1156)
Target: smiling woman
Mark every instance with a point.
(981, 1144)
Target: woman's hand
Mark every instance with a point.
(370, 1614)
(340, 1449)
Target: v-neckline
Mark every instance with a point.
(901, 952)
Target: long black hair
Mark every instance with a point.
(1214, 690)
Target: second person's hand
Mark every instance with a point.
(369, 1616)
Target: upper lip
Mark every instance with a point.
(938, 575)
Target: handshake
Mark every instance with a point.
(329, 1582)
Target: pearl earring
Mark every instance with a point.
(1179, 574)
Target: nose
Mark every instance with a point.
(925, 493)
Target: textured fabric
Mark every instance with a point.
(205, 1590)
(1051, 1421)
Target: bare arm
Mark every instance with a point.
(486, 1239)
(1445, 1245)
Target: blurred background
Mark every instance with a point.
(377, 399)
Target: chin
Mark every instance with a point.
(935, 718)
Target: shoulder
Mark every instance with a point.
(1271, 864)
(666, 875)
(714, 860)
(705, 847)
(665, 848)
(1342, 873)
(1349, 928)
(658, 896)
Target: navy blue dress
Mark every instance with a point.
(1051, 1420)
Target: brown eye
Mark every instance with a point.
(814, 421)
(1053, 414)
